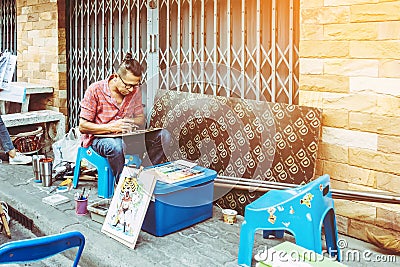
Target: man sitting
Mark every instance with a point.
(115, 105)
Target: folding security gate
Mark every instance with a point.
(8, 29)
(100, 32)
(240, 48)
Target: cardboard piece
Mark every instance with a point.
(55, 199)
(8, 71)
(129, 205)
(13, 93)
(7, 68)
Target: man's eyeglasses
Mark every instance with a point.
(128, 85)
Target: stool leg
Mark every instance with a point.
(103, 183)
(246, 244)
(111, 182)
(309, 237)
(331, 235)
(77, 169)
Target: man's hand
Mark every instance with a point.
(126, 125)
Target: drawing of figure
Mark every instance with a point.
(131, 195)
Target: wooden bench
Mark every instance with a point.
(54, 119)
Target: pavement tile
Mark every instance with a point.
(209, 243)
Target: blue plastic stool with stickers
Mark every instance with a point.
(105, 181)
(300, 211)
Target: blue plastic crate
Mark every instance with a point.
(180, 205)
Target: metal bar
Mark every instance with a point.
(120, 32)
(110, 36)
(191, 36)
(228, 46)
(14, 30)
(257, 89)
(168, 47)
(216, 23)
(137, 35)
(178, 56)
(291, 47)
(261, 186)
(96, 40)
(273, 52)
(5, 23)
(88, 44)
(82, 48)
(2, 37)
(379, 199)
(202, 44)
(73, 41)
(103, 22)
(276, 185)
(8, 26)
(129, 30)
(2, 28)
(243, 46)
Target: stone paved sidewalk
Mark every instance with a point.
(209, 243)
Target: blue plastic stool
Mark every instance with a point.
(301, 211)
(106, 178)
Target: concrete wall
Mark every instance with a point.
(350, 67)
(41, 50)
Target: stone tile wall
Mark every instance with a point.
(350, 67)
(41, 50)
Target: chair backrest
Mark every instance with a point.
(322, 183)
(42, 247)
(316, 193)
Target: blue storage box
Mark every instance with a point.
(181, 204)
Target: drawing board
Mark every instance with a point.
(129, 205)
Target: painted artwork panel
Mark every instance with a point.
(129, 205)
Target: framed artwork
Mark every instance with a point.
(129, 205)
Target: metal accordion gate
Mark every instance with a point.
(8, 28)
(241, 48)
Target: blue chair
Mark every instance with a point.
(42, 247)
(300, 211)
(105, 184)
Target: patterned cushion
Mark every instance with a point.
(240, 138)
